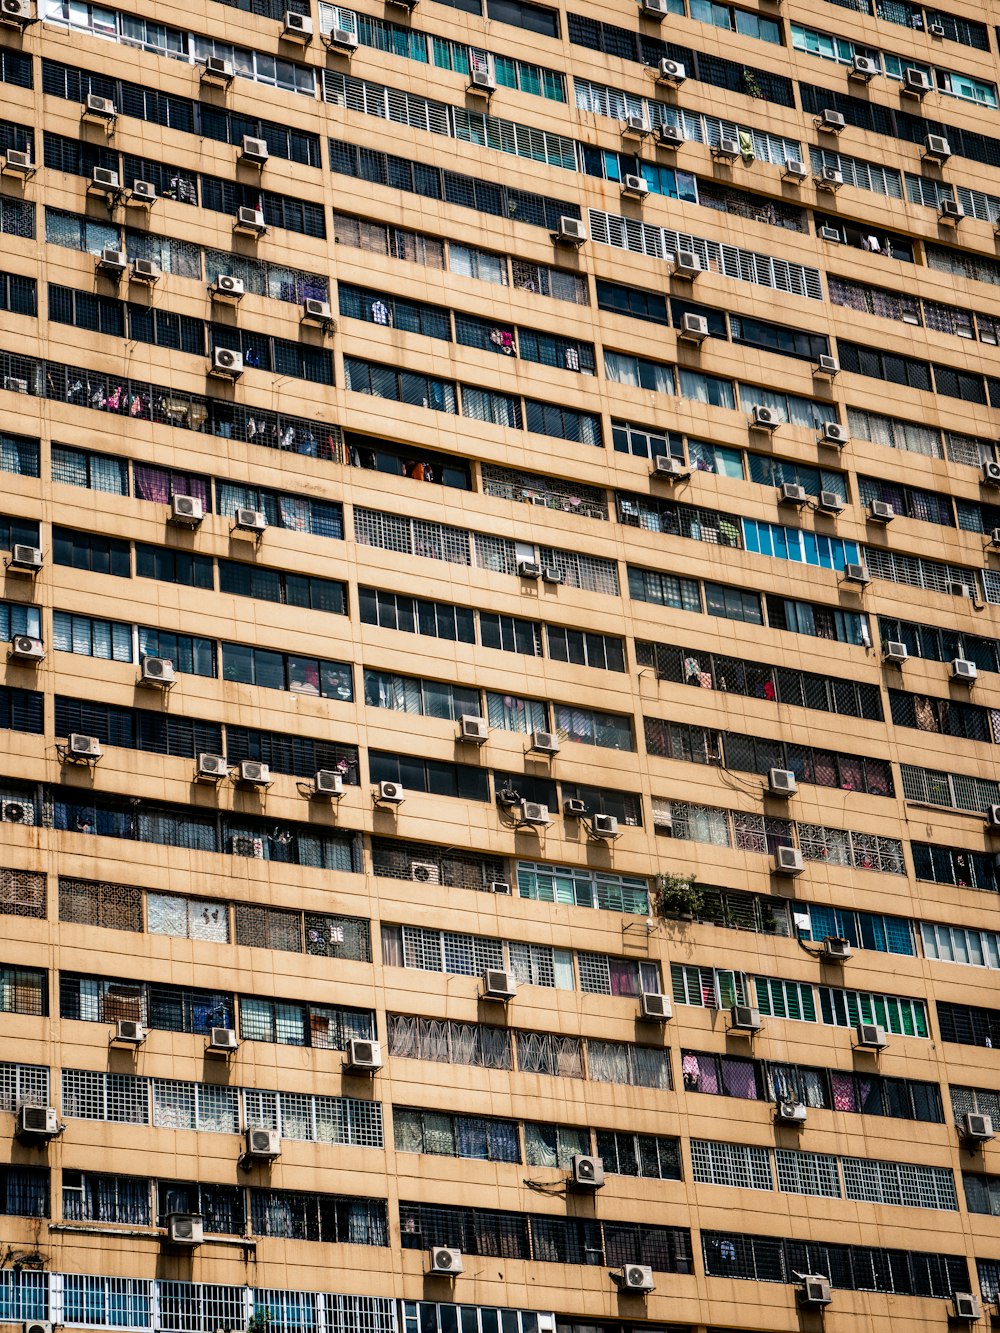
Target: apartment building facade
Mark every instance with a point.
(405, 410)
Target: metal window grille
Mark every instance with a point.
(807, 1173)
(23, 1085)
(94, 1096)
(737, 1164)
(94, 903)
(22, 893)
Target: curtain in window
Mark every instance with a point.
(151, 483)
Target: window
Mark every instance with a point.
(401, 386)
(736, 1164)
(392, 532)
(433, 776)
(90, 903)
(414, 615)
(510, 634)
(84, 550)
(585, 726)
(88, 1197)
(289, 1024)
(109, 639)
(18, 294)
(171, 1008)
(278, 585)
(84, 310)
(646, 1155)
(449, 1042)
(331, 1218)
(585, 649)
(222, 1207)
(407, 694)
(297, 513)
(648, 585)
(286, 671)
(953, 865)
(582, 888)
(443, 1134)
(897, 1014)
(24, 1191)
(190, 655)
(169, 565)
(19, 455)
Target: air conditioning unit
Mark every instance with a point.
(227, 288)
(571, 231)
(38, 1326)
(186, 511)
(250, 222)
(815, 1291)
(830, 502)
(863, 69)
(673, 469)
(13, 384)
(16, 163)
(634, 125)
(856, 574)
(634, 187)
(871, 1036)
(552, 574)
(534, 814)
(99, 108)
(790, 1113)
(253, 150)
(250, 520)
(482, 82)
(129, 1033)
(217, 70)
(327, 782)
(836, 949)
(654, 1007)
(185, 1229)
(104, 181)
(574, 808)
(781, 782)
(937, 148)
(342, 38)
(17, 812)
(727, 149)
(17, 12)
(226, 364)
(830, 179)
(793, 494)
(144, 270)
(425, 872)
(252, 773)
(500, 886)
(764, 418)
(445, 1262)
(993, 817)
(211, 767)
(687, 264)
(499, 985)
(671, 72)
(222, 1041)
(363, 1056)
(826, 368)
(936, 29)
(896, 652)
(586, 1173)
(529, 569)
(795, 169)
(693, 328)
(37, 1122)
(964, 670)
(951, 211)
(788, 861)
(23, 648)
(390, 793)
(142, 192)
(112, 261)
(965, 1308)
(654, 9)
(604, 827)
(995, 538)
(156, 671)
(317, 312)
(831, 121)
(744, 1018)
(263, 1145)
(84, 747)
(977, 1128)
(474, 729)
(634, 1278)
(830, 234)
(26, 559)
(834, 433)
(669, 136)
(880, 512)
(544, 742)
(958, 589)
(916, 83)
(297, 28)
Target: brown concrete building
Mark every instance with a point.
(405, 411)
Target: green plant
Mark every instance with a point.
(678, 895)
(259, 1321)
(750, 85)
